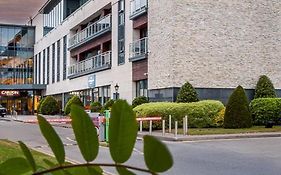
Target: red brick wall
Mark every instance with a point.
(139, 69)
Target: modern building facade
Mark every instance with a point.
(150, 48)
(17, 91)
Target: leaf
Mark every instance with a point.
(85, 171)
(122, 131)
(124, 171)
(85, 133)
(95, 170)
(14, 166)
(156, 155)
(52, 138)
(28, 156)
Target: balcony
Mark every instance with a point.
(92, 31)
(138, 7)
(90, 65)
(138, 49)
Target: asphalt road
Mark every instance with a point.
(218, 157)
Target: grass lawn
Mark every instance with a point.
(208, 131)
(10, 149)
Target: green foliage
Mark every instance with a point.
(237, 114)
(200, 114)
(265, 109)
(121, 144)
(39, 106)
(122, 137)
(264, 88)
(219, 118)
(139, 100)
(187, 94)
(73, 100)
(85, 133)
(107, 105)
(96, 106)
(28, 155)
(49, 106)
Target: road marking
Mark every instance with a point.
(138, 151)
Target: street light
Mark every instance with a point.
(116, 91)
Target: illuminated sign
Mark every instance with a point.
(9, 93)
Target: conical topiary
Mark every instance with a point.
(73, 100)
(49, 106)
(264, 88)
(237, 114)
(187, 94)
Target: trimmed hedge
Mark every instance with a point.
(187, 94)
(265, 109)
(39, 106)
(200, 114)
(264, 88)
(95, 107)
(139, 100)
(73, 100)
(49, 106)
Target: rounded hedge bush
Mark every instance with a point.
(265, 109)
(49, 106)
(73, 100)
(237, 114)
(95, 106)
(39, 105)
(139, 100)
(219, 118)
(264, 88)
(200, 114)
(187, 94)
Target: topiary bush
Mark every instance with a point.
(39, 105)
(73, 100)
(187, 94)
(139, 100)
(200, 114)
(219, 118)
(264, 88)
(49, 106)
(265, 109)
(237, 114)
(95, 106)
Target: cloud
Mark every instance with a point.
(18, 11)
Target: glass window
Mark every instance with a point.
(141, 88)
(53, 62)
(58, 60)
(64, 56)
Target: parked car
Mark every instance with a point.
(3, 111)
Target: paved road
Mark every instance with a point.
(219, 157)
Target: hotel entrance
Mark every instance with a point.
(22, 102)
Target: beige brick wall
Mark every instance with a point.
(214, 43)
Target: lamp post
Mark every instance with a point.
(116, 91)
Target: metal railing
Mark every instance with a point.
(138, 6)
(92, 30)
(139, 47)
(96, 62)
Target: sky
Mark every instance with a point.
(18, 11)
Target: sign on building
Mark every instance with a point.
(92, 81)
(9, 93)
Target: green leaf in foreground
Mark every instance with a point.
(156, 155)
(28, 156)
(52, 138)
(14, 166)
(52, 165)
(85, 133)
(124, 171)
(122, 131)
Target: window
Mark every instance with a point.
(35, 70)
(48, 64)
(53, 62)
(141, 88)
(102, 94)
(64, 56)
(58, 60)
(121, 32)
(39, 70)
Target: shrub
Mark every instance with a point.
(219, 118)
(265, 109)
(73, 100)
(187, 94)
(49, 106)
(107, 105)
(200, 114)
(39, 105)
(237, 114)
(95, 107)
(264, 88)
(139, 100)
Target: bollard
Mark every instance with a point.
(186, 125)
(163, 127)
(170, 123)
(183, 125)
(141, 126)
(176, 129)
(150, 127)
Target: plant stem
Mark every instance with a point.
(93, 165)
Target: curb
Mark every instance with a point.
(213, 137)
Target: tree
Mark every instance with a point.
(49, 106)
(73, 100)
(264, 88)
(237, 114)
(139, 100)
(187, 94)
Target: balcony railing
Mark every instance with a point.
(138, 7)
(96, 29)
(139, 49)
(90, 65)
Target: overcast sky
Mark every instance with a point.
(18, 11)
